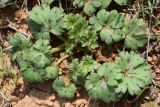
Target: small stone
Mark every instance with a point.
(149, 59)
(68, 105)
(24, 26)
(157, 70)
(52, 98)
(155, 58)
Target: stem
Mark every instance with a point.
(58, 48)
(60, 4)
(61, 59)
(58, 36)
(132, 101)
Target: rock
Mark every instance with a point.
(157, 70)
(68, 105)
(155, 58)
(149, 59)
(81, 103)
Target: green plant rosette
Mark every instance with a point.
(136, 73)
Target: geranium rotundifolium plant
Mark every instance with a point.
(91, 6)
(79, 70)
(134, 32)
(18, 43)
(40, 53)
(64, 90)
(101, 84)
(81, 35)
(44, 20)
(109, 24)
(136, 73)
(51, 72)
(114, 27)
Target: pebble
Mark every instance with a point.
(149, 59)
(155, 58)
(157, 70)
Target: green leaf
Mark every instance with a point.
(136, 73)
(51, 72)
(79, 33)
(109, 35)
(48, 2)
(64, 91)
(75, 72)
(88, 8)
(88, 65)
(44, 20)
(4, 3)
(135, 37)
(79, 70)
(31, 73)
(40, 53)
(18, 44)
(122, 2)
(105, 3)
(79, 3)
(101, 85)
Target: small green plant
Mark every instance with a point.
(109, 24)
(43, 20)
(128, 74)
(18, 44)
(91, 6)
(136, 73)
(79, 70)
(110, 81)
(79, 33)
(34, 59)
(64, 90)
(101, 83)
(113, 28)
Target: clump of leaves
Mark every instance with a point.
(136, 73)
(113, 28)
(79, 70)
(43, 20)
(91, 6)
(129, 73)
(35, 66)
(109, 24)
(34, 59)
(79, 33)
(135, 33)
(101, 84)
(108, 82)
(64, 90)
(18, 44)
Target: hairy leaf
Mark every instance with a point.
(101, 84)
(44, 20)
(18, 44)
(135, 37)
(51, 72)
(64, 91)
(135, 71)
